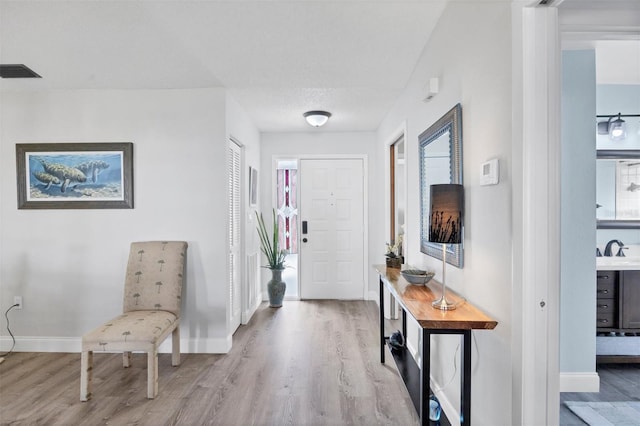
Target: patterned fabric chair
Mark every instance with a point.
(152, 299)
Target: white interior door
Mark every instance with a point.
(235, 262)
(332, 249)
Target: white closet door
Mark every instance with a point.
(235, 263)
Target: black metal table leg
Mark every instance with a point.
(465, 379)
(404, 325)
(382, 340)
(425, 371)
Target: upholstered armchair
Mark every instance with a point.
(151, 311)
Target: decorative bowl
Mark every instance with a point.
(417, 276)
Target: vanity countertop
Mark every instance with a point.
(617, 263)
(630, 262)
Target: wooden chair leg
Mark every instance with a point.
(86, 375)
(152, 374)
(175, 345)
(126, 359)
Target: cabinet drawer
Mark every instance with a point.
(606, 290)
(605, 306)
(605, 320)
(604, 277)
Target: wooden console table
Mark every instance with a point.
(416, 301)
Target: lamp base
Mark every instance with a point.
(443, 304)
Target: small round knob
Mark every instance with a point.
(304, 240)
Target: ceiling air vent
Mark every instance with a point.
(17, 71)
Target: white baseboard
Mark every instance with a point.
(42, 344)
(74, 344)
(449, 409)
(247, 314)
(373, 295)
(580, 382)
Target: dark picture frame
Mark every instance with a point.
(75, 175)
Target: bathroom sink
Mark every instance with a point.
(615, 263)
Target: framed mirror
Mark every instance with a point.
(618, 189)
(440, 157)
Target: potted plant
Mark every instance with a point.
(270, 246)
(394, 255)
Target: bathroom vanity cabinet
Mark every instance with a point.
(618, 301)
(618, 311)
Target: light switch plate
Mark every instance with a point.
(490, 172)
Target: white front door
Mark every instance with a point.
(332, 211)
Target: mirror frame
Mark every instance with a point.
(451, 122)
(614, 154)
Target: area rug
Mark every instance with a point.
(607, 413)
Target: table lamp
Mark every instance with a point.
(445, 227)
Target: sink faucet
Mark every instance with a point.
(607, 249)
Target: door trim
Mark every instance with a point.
(536, 215)
(400, 132)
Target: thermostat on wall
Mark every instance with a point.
(490, 172)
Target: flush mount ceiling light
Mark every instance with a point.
(317, 118)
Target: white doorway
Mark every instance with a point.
(332, 228)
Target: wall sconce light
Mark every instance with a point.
(615, 126)
(446, 210)
(617, 129)
(317, 118)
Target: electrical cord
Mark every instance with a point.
(6, 315)
(455, 370)
(455, 364)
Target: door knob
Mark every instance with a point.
(304, 240)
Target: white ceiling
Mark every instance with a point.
(278, 59)
(618, 62)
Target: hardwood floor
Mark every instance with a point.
(618, 382)
(308, 363)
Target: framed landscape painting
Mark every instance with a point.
(75, 175)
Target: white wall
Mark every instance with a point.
(296, 145)
(69, 264)
(578, 236)
(470, 53)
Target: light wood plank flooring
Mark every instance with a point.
(618, 382)
(308, 363)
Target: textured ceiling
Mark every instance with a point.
(277, 58)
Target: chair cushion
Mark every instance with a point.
(131, 331)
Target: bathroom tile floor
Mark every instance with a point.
(618, 382)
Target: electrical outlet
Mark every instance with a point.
(17, 300)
